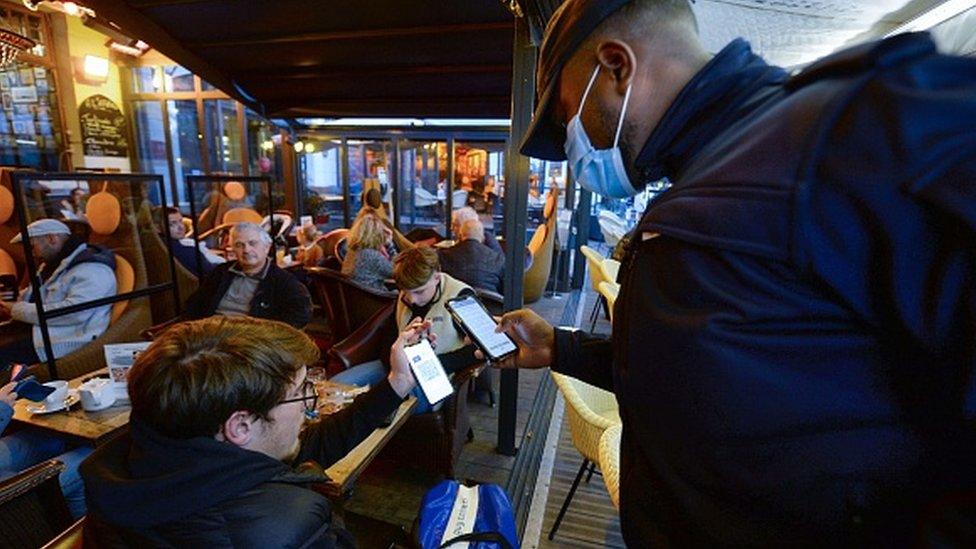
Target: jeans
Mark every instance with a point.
(372, 372)
(29, 447)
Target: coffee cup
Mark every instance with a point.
(97, 394)
(56, 399)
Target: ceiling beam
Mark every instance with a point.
(354, 34)
(325, 71)
(143, 4)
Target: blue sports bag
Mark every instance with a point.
(478, 517)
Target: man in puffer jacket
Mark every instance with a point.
(71, 273)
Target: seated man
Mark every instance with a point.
(253, 285)
(423, 292)
(460, 215)
(71, 272)
(217, 426)
(182, 247)
(471, 261)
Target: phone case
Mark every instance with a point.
(457, 319)
(32, 390)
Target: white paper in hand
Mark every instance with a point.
(427, 369)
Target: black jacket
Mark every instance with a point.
(279, 296)
(474, 263)
(147, 490)
(793, 339)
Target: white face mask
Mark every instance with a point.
(600, 171)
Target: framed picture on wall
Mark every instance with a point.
(8, 101)
(5, 81)
(26, 77)
(41, 85)
(23, 127)
(40, 72)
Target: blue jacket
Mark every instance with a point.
(794, 334)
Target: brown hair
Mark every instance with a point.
(191, 379)
(367, 232)
(413, 268)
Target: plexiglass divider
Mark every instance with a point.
(119, 218)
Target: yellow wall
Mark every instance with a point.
(85, 41)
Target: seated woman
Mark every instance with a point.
(367, 260)
(424, 291)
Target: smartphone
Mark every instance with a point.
(480, 327)
(428, 371)
(32, 390)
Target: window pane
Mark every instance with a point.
(150, 138)
(146, 79)
(177, 79)
(223, 135)
(322, 188)
(423, 186)
(260, 148)
(186, 143)
(206, 86)
(478, 167)
(369, 163)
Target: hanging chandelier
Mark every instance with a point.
(11, 44)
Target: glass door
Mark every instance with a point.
(423, 186)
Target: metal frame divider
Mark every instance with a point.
(20, 203)
(192, 179)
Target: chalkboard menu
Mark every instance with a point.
(102, 127)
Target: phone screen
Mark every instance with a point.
(481, 327)
(426, 367)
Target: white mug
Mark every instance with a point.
(55, 400)
(97, 394)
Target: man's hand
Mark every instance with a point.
(7, 393)
(535, 338)
(401, 378)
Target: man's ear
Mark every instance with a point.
(620, 60)
(239, 429)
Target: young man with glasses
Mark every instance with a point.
(218, 425)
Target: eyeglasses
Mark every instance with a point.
(310, 396)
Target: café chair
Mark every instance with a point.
(612, 227)
(610, 461)
(346, 303)
(241, 215)
(541, 249)
(432, 440)
(595, 268)
(330, 241)
(591, 411)
(284, 221)
(32, 508)
(609, 290)
(157, 254)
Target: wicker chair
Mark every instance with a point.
(433, 440)
(609, 290)
(541, 248)
(610, 461)
(32, 507)
(594, 263)
(591, 411)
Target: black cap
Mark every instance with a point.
(568, 27)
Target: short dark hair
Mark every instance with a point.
(170, 210)
(196, 374)
(413, 267)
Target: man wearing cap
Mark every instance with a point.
(71, 272)
(793, 340)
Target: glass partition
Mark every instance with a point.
(116, 232)
(223, 135)
(184, 138)
(423, 185)
(369, 165)
(320, 167)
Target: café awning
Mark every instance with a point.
(315, 58)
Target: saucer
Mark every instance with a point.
(42, 409)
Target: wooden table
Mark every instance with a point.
(345, 471)
(94, 428)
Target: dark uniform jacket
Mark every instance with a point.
(279, 296)
(793, 344)
(145, 489)
(474, 263)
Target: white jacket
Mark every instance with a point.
(81, 283)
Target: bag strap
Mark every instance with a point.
(492, 536)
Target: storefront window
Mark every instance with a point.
(223, 135)
(177, 79)
(322, 191)
(260, 147)
(151, 138)
(185, 138)
(423, 185)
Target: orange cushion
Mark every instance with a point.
(104, 213)
(237, 215)
(550, 205)
(235, 190)
(125, 281)
(6, 204)
(537, 239)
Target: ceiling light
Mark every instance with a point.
(935, 16)
(299, 146)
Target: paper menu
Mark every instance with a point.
(120, 357)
